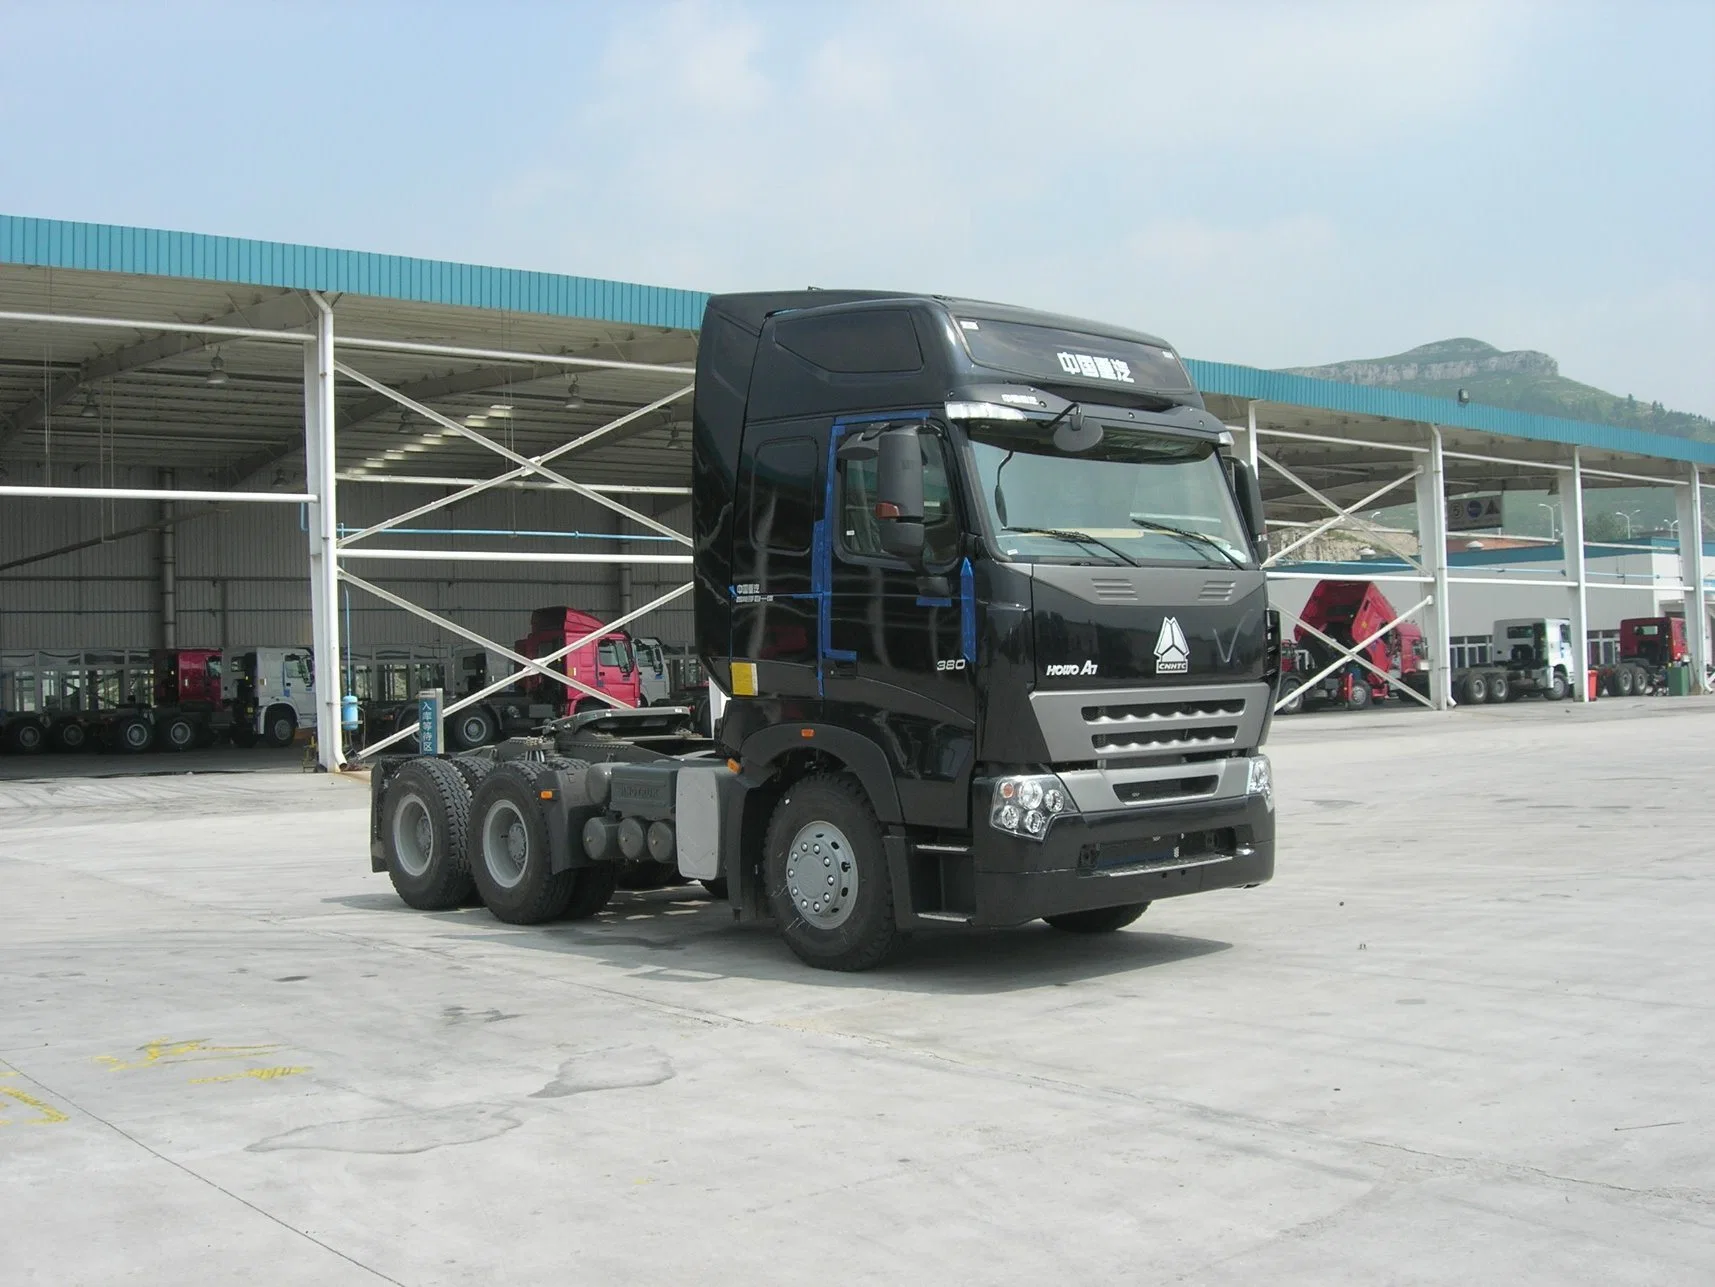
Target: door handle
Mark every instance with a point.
(843, 669)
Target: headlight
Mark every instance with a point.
(1025, 804)
(1261, 780)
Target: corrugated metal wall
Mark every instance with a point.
(243, 571)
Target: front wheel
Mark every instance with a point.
(470, 728)
(1361, 695)
(827, 878)
(1099, 920)
(1558, 688)
(282, 727)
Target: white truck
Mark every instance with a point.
(1527, 655)
(271, 694)
(652, 672)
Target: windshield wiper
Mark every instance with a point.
(1067, 534)
(1185, 533)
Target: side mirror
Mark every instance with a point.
(1248, 492)
(899, 494)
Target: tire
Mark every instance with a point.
(425, 824)
(1500, 687)
(1100, 920)
(178, 734)
(26, 737)
(280, 727)
(1294, 704)
(470, 728)
(1361, 695)
(717, 888)
(472, 771)
(1643, 682)
(133, 735)
(1475, 688)
(1625, 681)
(509, 849)
(68, 735)
(1558, 689)
(824, 826)
(592, 890)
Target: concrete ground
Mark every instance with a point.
(107, 764)
(1464, 1037)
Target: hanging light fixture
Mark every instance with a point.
(574, 399)
(90, 410)
(217, 370)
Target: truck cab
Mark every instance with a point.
(605, 664)
(655, 685)
(1536, 655)
(271, 693)
(997, 567)
(187, 677)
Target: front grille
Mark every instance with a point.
(1164, 789)
(1165, 739)
(1109, 589)
(1216, 591)
(1154, 724)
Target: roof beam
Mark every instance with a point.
(278, 312)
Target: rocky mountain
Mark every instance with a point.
(1521, 380)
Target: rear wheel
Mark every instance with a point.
(1100, 920)
(1643, 682)
(592, 890)
(470, 728)
(425, 821)
(1625, 681)
(26, 737)
(68, 735)
(827, 878)
(1476, 689)
(509, 849)
(178, 734)
(1500, 687)
(133, 735)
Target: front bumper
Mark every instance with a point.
(1106, 859)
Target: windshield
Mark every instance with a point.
(1136, 497)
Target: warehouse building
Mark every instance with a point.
(220, 443)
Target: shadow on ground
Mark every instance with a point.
(675, 935)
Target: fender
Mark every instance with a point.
(866, 760)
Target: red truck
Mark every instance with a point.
(1349, 611)
(606, 664)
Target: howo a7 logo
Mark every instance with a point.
(1172, 653)
(1071, 668)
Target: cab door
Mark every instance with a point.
(899, 659)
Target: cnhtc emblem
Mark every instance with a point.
(1172, 653)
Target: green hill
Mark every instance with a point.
(1521, 380)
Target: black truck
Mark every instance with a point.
(978, 593)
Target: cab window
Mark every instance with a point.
(860, 534)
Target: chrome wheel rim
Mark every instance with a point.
(822, 875)
(505, 843)
(413, 836)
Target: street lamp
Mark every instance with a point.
(1552, 512)
(1628, 515)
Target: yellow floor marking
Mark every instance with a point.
(165, 1051)
(260, 1074)
(48, 1112)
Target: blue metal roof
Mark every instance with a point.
(94, 247)
(1395, 404)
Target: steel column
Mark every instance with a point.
(1432, 550)
(323, 524)
(1693, 572)
(1571, 489)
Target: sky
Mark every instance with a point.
(1268, 184)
